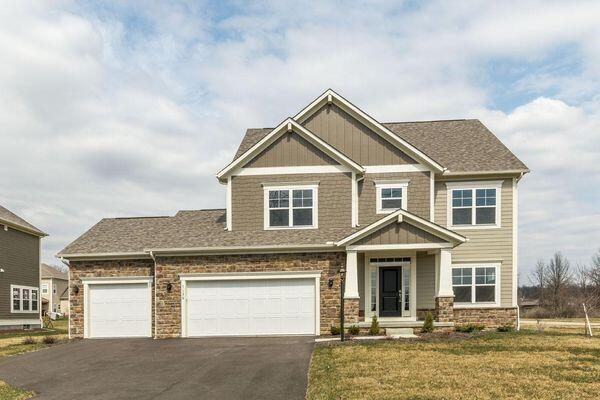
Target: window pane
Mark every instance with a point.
(462, 294)
(16, 305)
(461, 216)
(25, 305)
(485, 215)
(278, 198)
(16, 293)
(302, 198)
(485, 293)
(34, 295)
(462, 198)
(279, 218)
(303, 216)
(34, 305)
(396, 192)
(391, 204)
(485, 197)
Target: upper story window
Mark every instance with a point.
(44, 288)
(476, 285)
(474, 204)
(391, 195)
(24, 299)
(290, 207)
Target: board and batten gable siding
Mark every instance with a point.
(354, 139)
(20, 259)
(419, 189)
(334, 198)
(398, 233)
(290, 150)
(485, 245)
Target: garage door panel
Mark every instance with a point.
(250, 307)
(119, 310)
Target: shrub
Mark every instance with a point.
(506, 328)
(428, 324)
(374, 329)
(334, 330)
(28, 340)
(353, 330)
(468, 328)
(49, 340)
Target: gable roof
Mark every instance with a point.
(9, 218)
(288, 125)
(461, 146)
(49, 271)
(403, 216)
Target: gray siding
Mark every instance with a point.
(354, 139)
(290, 150)
(396, 233)
(334, 196)
(20, 259)
(485, 244)
(418, 194)
(425, 281)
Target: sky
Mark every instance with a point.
(112, 109)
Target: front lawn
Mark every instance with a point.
(523, 365)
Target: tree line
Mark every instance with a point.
(561, 290)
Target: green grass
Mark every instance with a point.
(520, 365)
(8, 392)
(60, 328)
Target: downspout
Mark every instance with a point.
(154, 314)
(69, 291)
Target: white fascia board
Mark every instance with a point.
(413, 246)
(286, 126)
(409, 218)
(367, 120)
(103, 256)
(222, 276)
(498, 172)
(21, 228)
(303, 169)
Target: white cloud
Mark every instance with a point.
(130, 108)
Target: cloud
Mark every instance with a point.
(115, 109)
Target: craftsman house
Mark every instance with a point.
(421, 215)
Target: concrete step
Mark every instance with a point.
(404, 333)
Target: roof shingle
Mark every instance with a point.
(13, 219)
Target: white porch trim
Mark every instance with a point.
(443, 274)
(351, 288)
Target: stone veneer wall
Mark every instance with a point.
(168, 305)
(490, 317)
(350, 312)
(80, 269)
(443, 309)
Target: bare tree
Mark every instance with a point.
(558, 277)
(592, 282)
(538, 279)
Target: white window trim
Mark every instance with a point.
(379, 185)
(21, 311)
(315, 206)
(451, 186)
(44, 288)
(473, 303)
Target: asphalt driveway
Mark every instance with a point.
(232, 368)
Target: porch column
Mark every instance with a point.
(444, 294)
(351, 289)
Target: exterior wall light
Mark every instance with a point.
(75, 289)
(330, 283)
(169, 287)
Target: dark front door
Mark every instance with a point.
(390, 295)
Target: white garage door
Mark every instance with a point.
(250, 307)
(119, 310)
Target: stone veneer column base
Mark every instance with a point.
(350, 312)
(444, 309)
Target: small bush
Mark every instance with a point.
(28, 340)
(353, 330)
(468, 328)
(374, 329)
(334, 330)
(49, 340)
(506, 328)
(428, 324)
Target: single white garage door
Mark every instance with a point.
(250, 307)
(119, 310)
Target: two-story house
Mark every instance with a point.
(54, 288)
(421, 216)
(20, 244)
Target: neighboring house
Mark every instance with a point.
(421, 215)
(20, 244)
(54, 287)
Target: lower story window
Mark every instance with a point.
(24, 299)
(476, 284)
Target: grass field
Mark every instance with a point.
(523, 365)
(11, 343)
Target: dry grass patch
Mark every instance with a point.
(524, 365)
(8, 392)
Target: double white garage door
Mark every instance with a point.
(232, 307)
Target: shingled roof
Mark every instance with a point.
(48, 271)
(12, 219)
(462, 145)
(188, 230)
